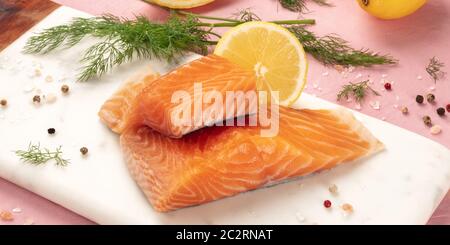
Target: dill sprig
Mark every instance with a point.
(333, 50)
(357, 90)
(37, 156)
(123, 40)
(434, 69)
(300, 5)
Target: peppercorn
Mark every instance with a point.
(327, 203)
(448, 107)
(405, 110)
(419, 99)
(51, 131)
(427, 121)
(3, 102)
(387, 86)
(65, 89)
(440, 111)
(84, 150)
(431, 98)
(37, 99)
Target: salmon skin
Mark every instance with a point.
(153, 105)
(219, 162)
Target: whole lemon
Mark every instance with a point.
(391, 9)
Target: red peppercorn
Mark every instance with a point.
(387, 86)
(448, 107)
(327, 203)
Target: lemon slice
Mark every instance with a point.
(273, 52)
(180, 4)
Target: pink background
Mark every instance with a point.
(412, 40)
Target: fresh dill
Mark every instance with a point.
(357, 90)
(333, 50)
(300, 5)
(37, 156)
(122, 40)
(434, 69)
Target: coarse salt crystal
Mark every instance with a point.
(395, 106)
(49, 79)
(397, 98)
(333, 189)
(419, 77)
(384, 75)
(50, 98)
(29, 88)
(375, 104)
(383, 118)
(349, 100)
(359, 75)
(436, 129)
(325, 74)
(300, 217)
(358, 106)
(315, 85)
(432, 88)
(350, 69)
(306, 86)
(28, 221)
(319, 88)
(16, 210)
(37, 72)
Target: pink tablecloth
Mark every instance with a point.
(413, 40)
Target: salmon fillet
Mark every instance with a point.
(153, 106)
(218, 162)
(116, 110)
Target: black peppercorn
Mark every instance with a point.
(84, 150)
(440, 111)
(37, 99)
(3, 102)
(51, 131)
(431, 98)
(65, 89)
(419, 99)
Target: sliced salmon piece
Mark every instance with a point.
(218, 162)
(153, 105)
(116, 110)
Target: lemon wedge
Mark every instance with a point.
(180, 4)
(273, 52)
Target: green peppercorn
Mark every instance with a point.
(431, 98)
(440, 111)
(419, 99)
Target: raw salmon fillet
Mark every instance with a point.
(116, 110)
(217, 162)
(153, 106)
